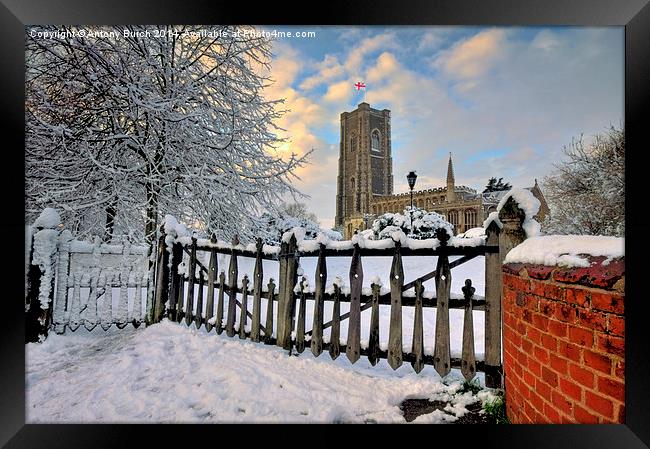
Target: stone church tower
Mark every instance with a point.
(365, 162)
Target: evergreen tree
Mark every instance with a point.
(495, 185)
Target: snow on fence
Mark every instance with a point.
(187, 265)
(73, 283)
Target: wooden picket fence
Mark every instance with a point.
(177, 299)
(70, 284)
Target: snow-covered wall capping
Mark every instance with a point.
(566, 250)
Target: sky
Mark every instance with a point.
(503, 101)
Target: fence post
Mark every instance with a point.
(493, 309)
(257, 292)
(62, 282)
(319, 302)
(212, 276)
(175, 281)
(189, 307)
(288, 276)
(41, 277)
(353, 347)
(395, 327)
(508, 236)
(161, 282)
(512, 234)
(442, 350)
(232, 289)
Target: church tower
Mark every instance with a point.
(451, 182)
(365, 163)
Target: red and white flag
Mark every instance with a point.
(359, 85)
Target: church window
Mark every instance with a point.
(353, 143)
(470, 218)
(374, 141)
(453, 217)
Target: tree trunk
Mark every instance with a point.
(111, 213)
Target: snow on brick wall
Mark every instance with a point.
(566, 250)
(563, 342)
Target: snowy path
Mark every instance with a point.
(169, 373)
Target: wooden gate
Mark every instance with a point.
(202, 293)
(73, 283)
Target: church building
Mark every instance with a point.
(365, 180)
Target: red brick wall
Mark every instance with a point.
(563, 343)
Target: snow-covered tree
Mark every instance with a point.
(121, 130)
(298, 210)
(425, 224)
(270, 227)
(586, 193)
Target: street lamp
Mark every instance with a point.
(411, 177)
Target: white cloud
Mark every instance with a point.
(474, 56)
(356, 56)
(546, 40)
(328, 69)
(339, 92)
(386, 66)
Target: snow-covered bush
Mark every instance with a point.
(425, 224)
(271, 227)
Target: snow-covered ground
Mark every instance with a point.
(170, 373)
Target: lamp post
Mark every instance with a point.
(411, 177)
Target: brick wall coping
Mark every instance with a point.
(565, 250)
(603, 272)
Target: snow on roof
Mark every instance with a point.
(564, 250)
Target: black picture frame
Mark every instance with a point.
(634, 15)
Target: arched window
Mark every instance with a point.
(452, 217)
(353, 142)
(375, 141)
(470, 218)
